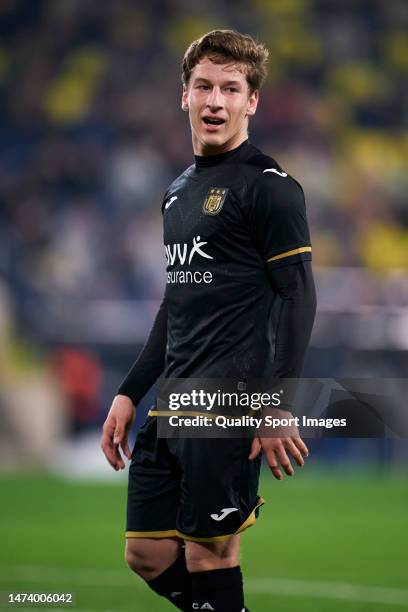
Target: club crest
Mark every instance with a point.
(214, 200)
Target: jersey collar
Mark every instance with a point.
(204, 161)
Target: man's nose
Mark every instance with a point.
(215, 99)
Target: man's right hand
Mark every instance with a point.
(116, 429)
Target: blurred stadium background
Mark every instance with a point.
(91, 134)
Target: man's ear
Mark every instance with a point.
(184, 100)
(253, 102)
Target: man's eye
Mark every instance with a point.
(202, 87)
(232, 89)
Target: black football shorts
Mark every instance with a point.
(198, 489)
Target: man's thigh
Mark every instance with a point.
(153, 487)
(201, 490)
(150, 557)
(206, 556)
(219, 488)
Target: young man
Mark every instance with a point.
(236, 240)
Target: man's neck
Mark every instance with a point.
(203, 149)
(205, 161)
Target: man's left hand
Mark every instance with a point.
(286, 438)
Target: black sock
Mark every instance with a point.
(174, 584)
(220, 590)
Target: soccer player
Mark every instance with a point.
(237, 243)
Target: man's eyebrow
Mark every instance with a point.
(209, 82)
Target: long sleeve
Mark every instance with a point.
(280, 231)
(295, 286)
(150, 362)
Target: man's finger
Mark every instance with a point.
(110, 447)
(125, 448)
(117, 440)
(284, 461)
(255, 448)
(301, 446)
(119, 464)
(273, 464)
(295, 452)
(110, 451)
(119, 434)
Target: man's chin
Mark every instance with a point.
(216, 141)
(209, 139)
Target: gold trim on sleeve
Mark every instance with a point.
(307, 249)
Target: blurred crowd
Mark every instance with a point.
(92, 133)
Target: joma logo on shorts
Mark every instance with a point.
(205, 606)
(183, 253)
(224, 512)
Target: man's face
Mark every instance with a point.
(218, 103)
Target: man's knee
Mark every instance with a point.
(138, 556)
(201, 557)
(148, 557)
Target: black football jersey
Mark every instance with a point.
(227, 218)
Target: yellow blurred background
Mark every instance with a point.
(91, 135)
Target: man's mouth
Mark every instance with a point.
(213, 121)
(213, 124)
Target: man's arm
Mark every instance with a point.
(296, 288)
(150, 362)
(280, 231)
(142, 375)
(295, 285)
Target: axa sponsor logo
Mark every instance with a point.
(183, 255)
